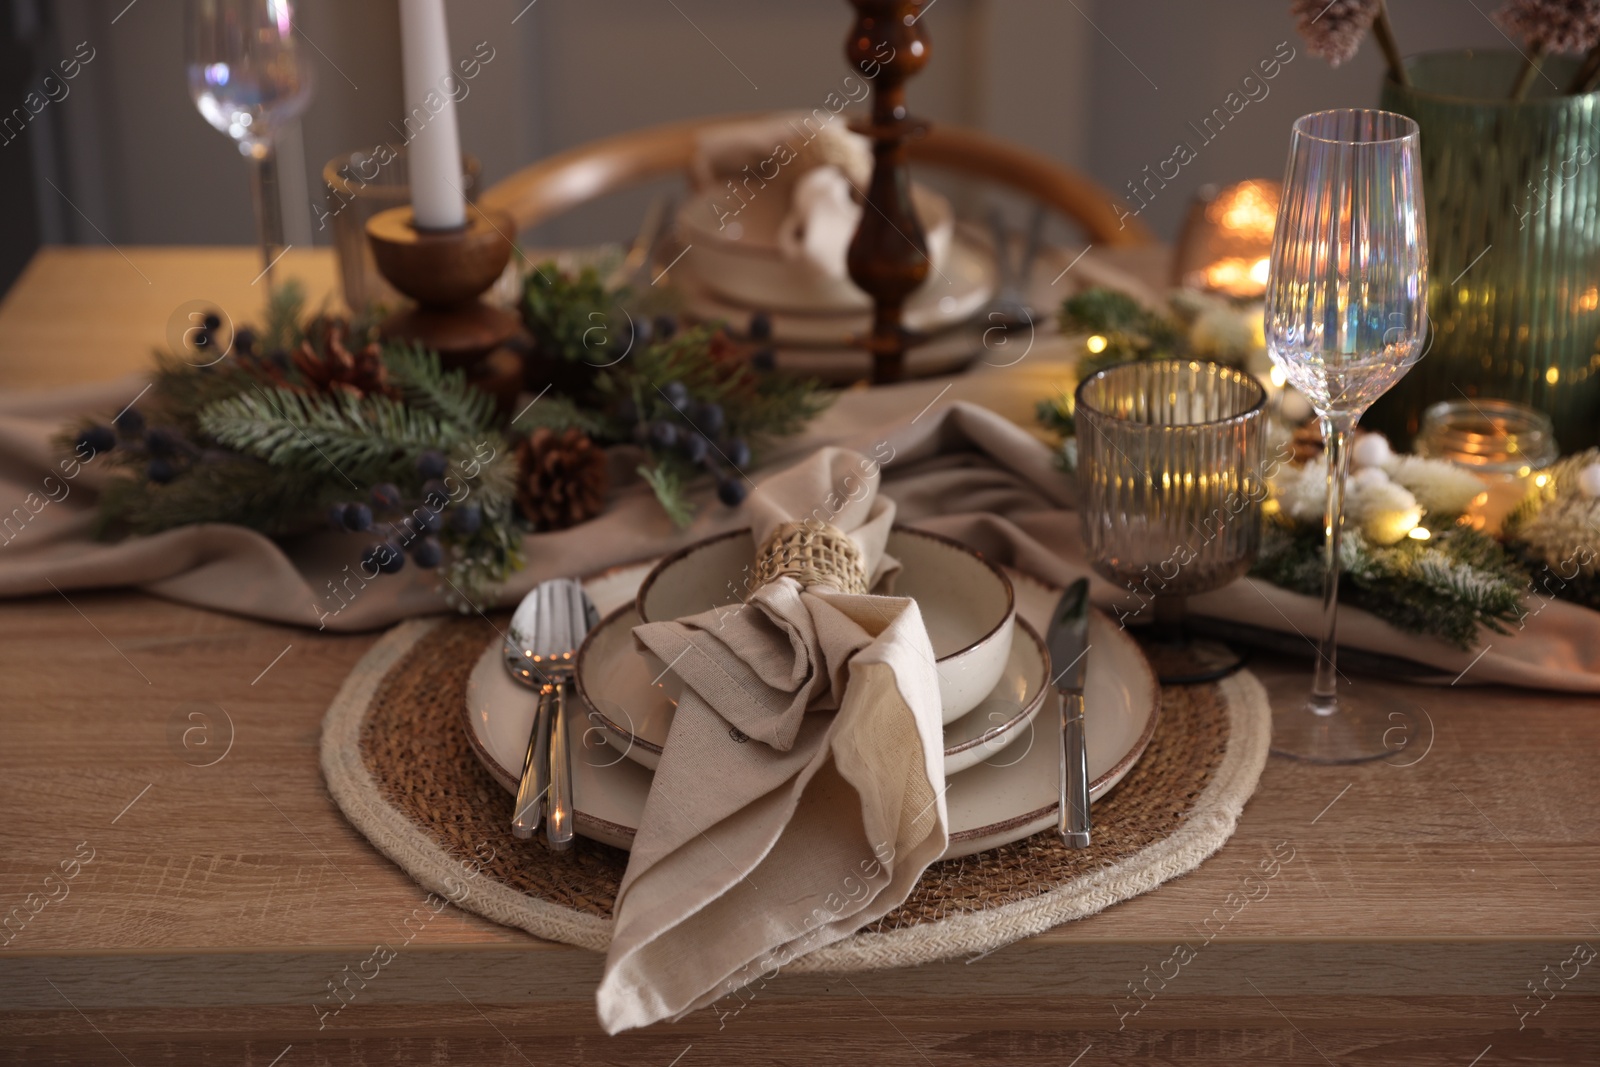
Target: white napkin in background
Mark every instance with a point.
(800, 793)
(726, 148)
(822, 219)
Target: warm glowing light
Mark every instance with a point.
(1096, 344)
(1590, 300)
(1553, 375)
(1279, 378)
(1237, 276)
(1419, 533)
(1246, 210)
(1541, 480)
(1523, 472)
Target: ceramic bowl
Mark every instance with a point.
(744, 264)
(967, 602)
(628, 700)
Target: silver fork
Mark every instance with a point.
(540, 652)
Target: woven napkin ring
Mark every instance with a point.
(812, 553)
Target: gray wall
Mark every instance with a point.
(1108, 86)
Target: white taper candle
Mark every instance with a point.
(433, 141)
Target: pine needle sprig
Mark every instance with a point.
(557, 412)
(1450, 587)
(366, 439)
(666, 480)
(426, 386)
(758, 407)
(1131, 331)
(571, 315)
(282, 331)
(231, 489)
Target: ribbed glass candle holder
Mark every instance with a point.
(1170, 468)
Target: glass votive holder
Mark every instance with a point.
(1503, 442)
(358, 186)
(1170, 469)
(1493, 438)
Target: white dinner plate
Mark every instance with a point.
(953, 294)
(620, 693)
(1002, 799)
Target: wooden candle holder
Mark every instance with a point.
(447, 272)
(888, 256)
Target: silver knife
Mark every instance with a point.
(1069, 655)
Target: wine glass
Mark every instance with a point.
(1345, 320)
(248, 75)
(1170, 478)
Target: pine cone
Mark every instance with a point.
(336, 368)
(1307, 442)
(562, 479)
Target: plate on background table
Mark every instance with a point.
(1004, 798)
(962, 287)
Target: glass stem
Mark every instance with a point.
(1336, 432)
(269, 207)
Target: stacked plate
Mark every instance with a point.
(1001, 729)
(731, 271)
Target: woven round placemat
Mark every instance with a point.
(396, 759)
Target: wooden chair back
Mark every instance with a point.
(552, 186)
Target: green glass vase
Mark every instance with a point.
(1513, 198)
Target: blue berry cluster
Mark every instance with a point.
(414, 524)
(697, 432)
(166, 451)
(760, 331)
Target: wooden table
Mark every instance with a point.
(1427, 894)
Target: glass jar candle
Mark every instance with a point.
(1505, 443)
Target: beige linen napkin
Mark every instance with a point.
(801, 789)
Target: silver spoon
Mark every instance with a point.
(540, 652)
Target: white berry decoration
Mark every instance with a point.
(1371, 450)
(1589, 481)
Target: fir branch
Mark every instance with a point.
(571, 316)
(556, 412)
(180, 390)
(362, 438)
(285, 306)
(667, 483)
(236, 490)
(471, 573)
(1131, 331)
(1450, 587)
(420, 377)
(757, 407)
(1055, 414)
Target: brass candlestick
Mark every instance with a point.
(888, 256)
(447, 272)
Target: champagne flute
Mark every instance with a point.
(248, 75)
(1345, 319)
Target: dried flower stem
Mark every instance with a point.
(1530, 67)
(1584, 81)
(1383, 33)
